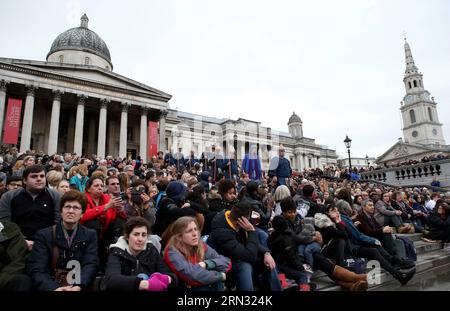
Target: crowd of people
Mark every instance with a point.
(200, 223)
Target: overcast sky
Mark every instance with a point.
(338, 64)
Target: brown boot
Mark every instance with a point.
(345, 275)
(353, 286)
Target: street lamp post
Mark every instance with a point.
(348, 144)
(367, 160)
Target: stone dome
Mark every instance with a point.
(294, 119)
(81, 39)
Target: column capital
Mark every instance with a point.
(3, 84)
(31, 89)
(57, 94)
(144, 110)
(104, 102)
(82, 99)
(125, 106)
(163, 113)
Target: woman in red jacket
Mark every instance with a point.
(103, 214)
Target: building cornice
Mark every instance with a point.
(422, 123)
(55, 76)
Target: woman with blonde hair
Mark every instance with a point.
(19, 167)
(198, 266)
(282, 192)
(53, 178)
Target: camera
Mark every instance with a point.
(123, 196)
(136, 194)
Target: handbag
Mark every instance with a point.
(59, 273)
(356, 265)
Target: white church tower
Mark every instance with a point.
(420, 117)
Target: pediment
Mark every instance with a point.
(401, 150)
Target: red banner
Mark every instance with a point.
(152, 140)
(12, 121)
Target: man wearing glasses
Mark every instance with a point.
(280, 168)
(64, 256)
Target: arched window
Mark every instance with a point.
(415, 83)
(86, 60)
(412, 115)
(409, 84)
(61, 58)
(430, 114)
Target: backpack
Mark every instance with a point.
(410, 250)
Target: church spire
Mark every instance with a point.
(410, 65)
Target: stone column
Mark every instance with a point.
(92, 127)
(298, 161)
(78, 141)
(143, 136)
(101, 144)
(302, 161)
(162, 130)
(123, 130)
(3, 85)
(27, 119)
(54, 123)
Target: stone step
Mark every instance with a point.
(413, 237)
(425, 261)
(425, 247)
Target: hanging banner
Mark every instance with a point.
(12, 121)
(152, 140)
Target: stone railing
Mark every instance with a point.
(423, 173)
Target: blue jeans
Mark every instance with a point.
(245, 273)
(307, 251)
(262, 236)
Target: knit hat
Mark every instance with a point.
(176, 191)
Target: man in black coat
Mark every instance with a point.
(233, 235)
(64, 256)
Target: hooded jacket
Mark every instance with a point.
(191, 273)
(122, 268)
(329, 229)
(167, 213)
(13, 252)
(283, 243)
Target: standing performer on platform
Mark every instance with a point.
(252, 164)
